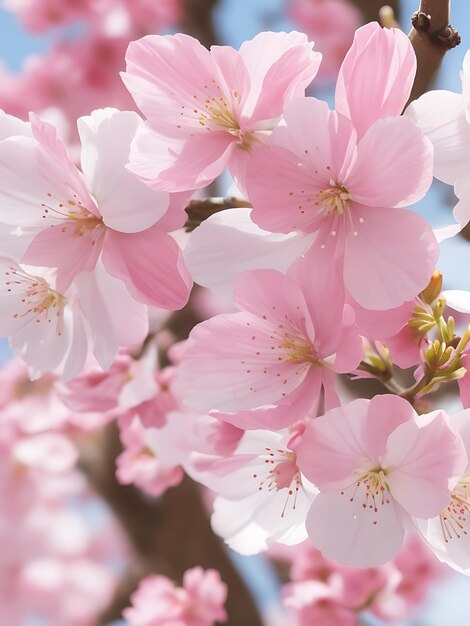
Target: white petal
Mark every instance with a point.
(115, 318)
(441, 115)
(352, 534)
(229, 243)
(458, 300)
(126, 204)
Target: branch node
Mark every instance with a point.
(448, 37)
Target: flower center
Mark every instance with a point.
(38, 301)
(335, 199)
(299, 350)
(74, 212)
(456, 517)
(376, 488)
(283, 474)
(218, 111)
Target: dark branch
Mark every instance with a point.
(431, 36)
(200, 210)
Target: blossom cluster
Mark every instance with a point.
(327, 273)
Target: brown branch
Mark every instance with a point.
(198, 21)
(431, 36)
(200, 210)
(168, 535)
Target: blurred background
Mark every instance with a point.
(61, 58)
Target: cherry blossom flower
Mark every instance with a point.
(199, 602)
(141, 465)
(262, 498)
(377, 464)
(210, 113)
(444, 117)
(448, 534)
(313, 602)
(316, 177)
(335, 184)
(35, 315)
(264, 366)
(68, 230)
(54, 331)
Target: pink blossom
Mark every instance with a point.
(314, 602)
(127, 383)
(346, 176)
(199, 602)
(331, 24)
(417, 570)
(448, 534)
(66, 229)
(139, 463)
(377, 464)
(262, 498)
(264, 366)
(39, 15)
(71, 323)
(212, 112)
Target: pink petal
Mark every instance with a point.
(288, 410)
(232, 77)
(169, 77)
(464, 383)
(396, 250)
(175, 216)
(393, 166)
(179, 164)
(152, 266)
(426, 458)
(334, 446)
(350, 534)
(126, 204)
(380, 324)
(69, 247)
(233, 363)
(275, 298)
(281, 66)
(376, 76)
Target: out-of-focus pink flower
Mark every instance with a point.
(376, 464)
(314, 602)
(212, 112)
(199, 602)
(331, 24)
(264, 367)
(139, 464)
(417, 571)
